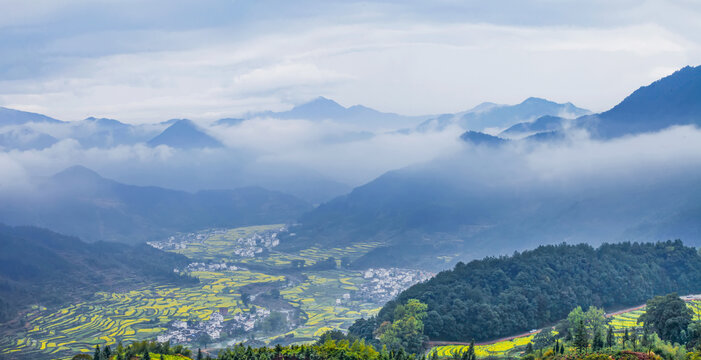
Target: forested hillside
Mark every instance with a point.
(495, 297)
(40, 267)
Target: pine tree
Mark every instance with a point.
(471, 351)
(199, 354)
(625, 339)
(562, 349)
(106, 352)
(645, 340)
(529, 348)
(146, 355)
(597, 342)
(609, 337)
(97, 354)
(581, 338)
(556, 349)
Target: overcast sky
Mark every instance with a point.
(147, 61)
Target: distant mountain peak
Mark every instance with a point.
(537, 101)
(105, 122)
(184, 134)
(672, 100)
(319, 104)
(77, 172)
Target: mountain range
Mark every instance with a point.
(456, 205)
(490, 116)
(79, 202)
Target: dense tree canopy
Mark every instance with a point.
(668, 316)
(497, 297)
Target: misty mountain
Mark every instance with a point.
(322, 108)
(41, 267)
(672, 100)
(184, 134)
(81, 203)
(479, 203)
(449, 209)
(478, 138)
(25, 139)
(17, 117)
(487, 116)
(105, 133)
(545, 123)
(229, 121)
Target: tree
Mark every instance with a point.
(199, 354)
(597, 342)
(471, 351)
(204, 339)
(106, 352)
(97, 354)
(609, 337)
(581, 338)
(245, 298)
(406, 332)
(625, 338)
(529, 348)
(667, 316)
(147, 355)
(593, 319)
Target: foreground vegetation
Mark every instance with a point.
(497, 297)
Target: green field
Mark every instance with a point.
(144, 313)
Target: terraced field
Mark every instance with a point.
(312, 255)
(145, 313)
(498, 349)
(317, 298)
(135, 315)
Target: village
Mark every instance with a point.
(383, 284)
(249, 246)
(216, 327)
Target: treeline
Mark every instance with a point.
(501, 296)
(39, 266)
(331, 346)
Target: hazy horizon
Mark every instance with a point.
(143, 63)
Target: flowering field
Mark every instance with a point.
(145, 313)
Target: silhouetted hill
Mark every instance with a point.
(80, 202)
(672, 100)
(41, 267)
(478, 138)
(17, 117)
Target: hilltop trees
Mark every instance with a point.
(497, 297)
(668, 316)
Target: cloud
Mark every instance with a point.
(395, 56)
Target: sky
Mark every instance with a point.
(148, 61)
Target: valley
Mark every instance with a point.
(247, 291)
